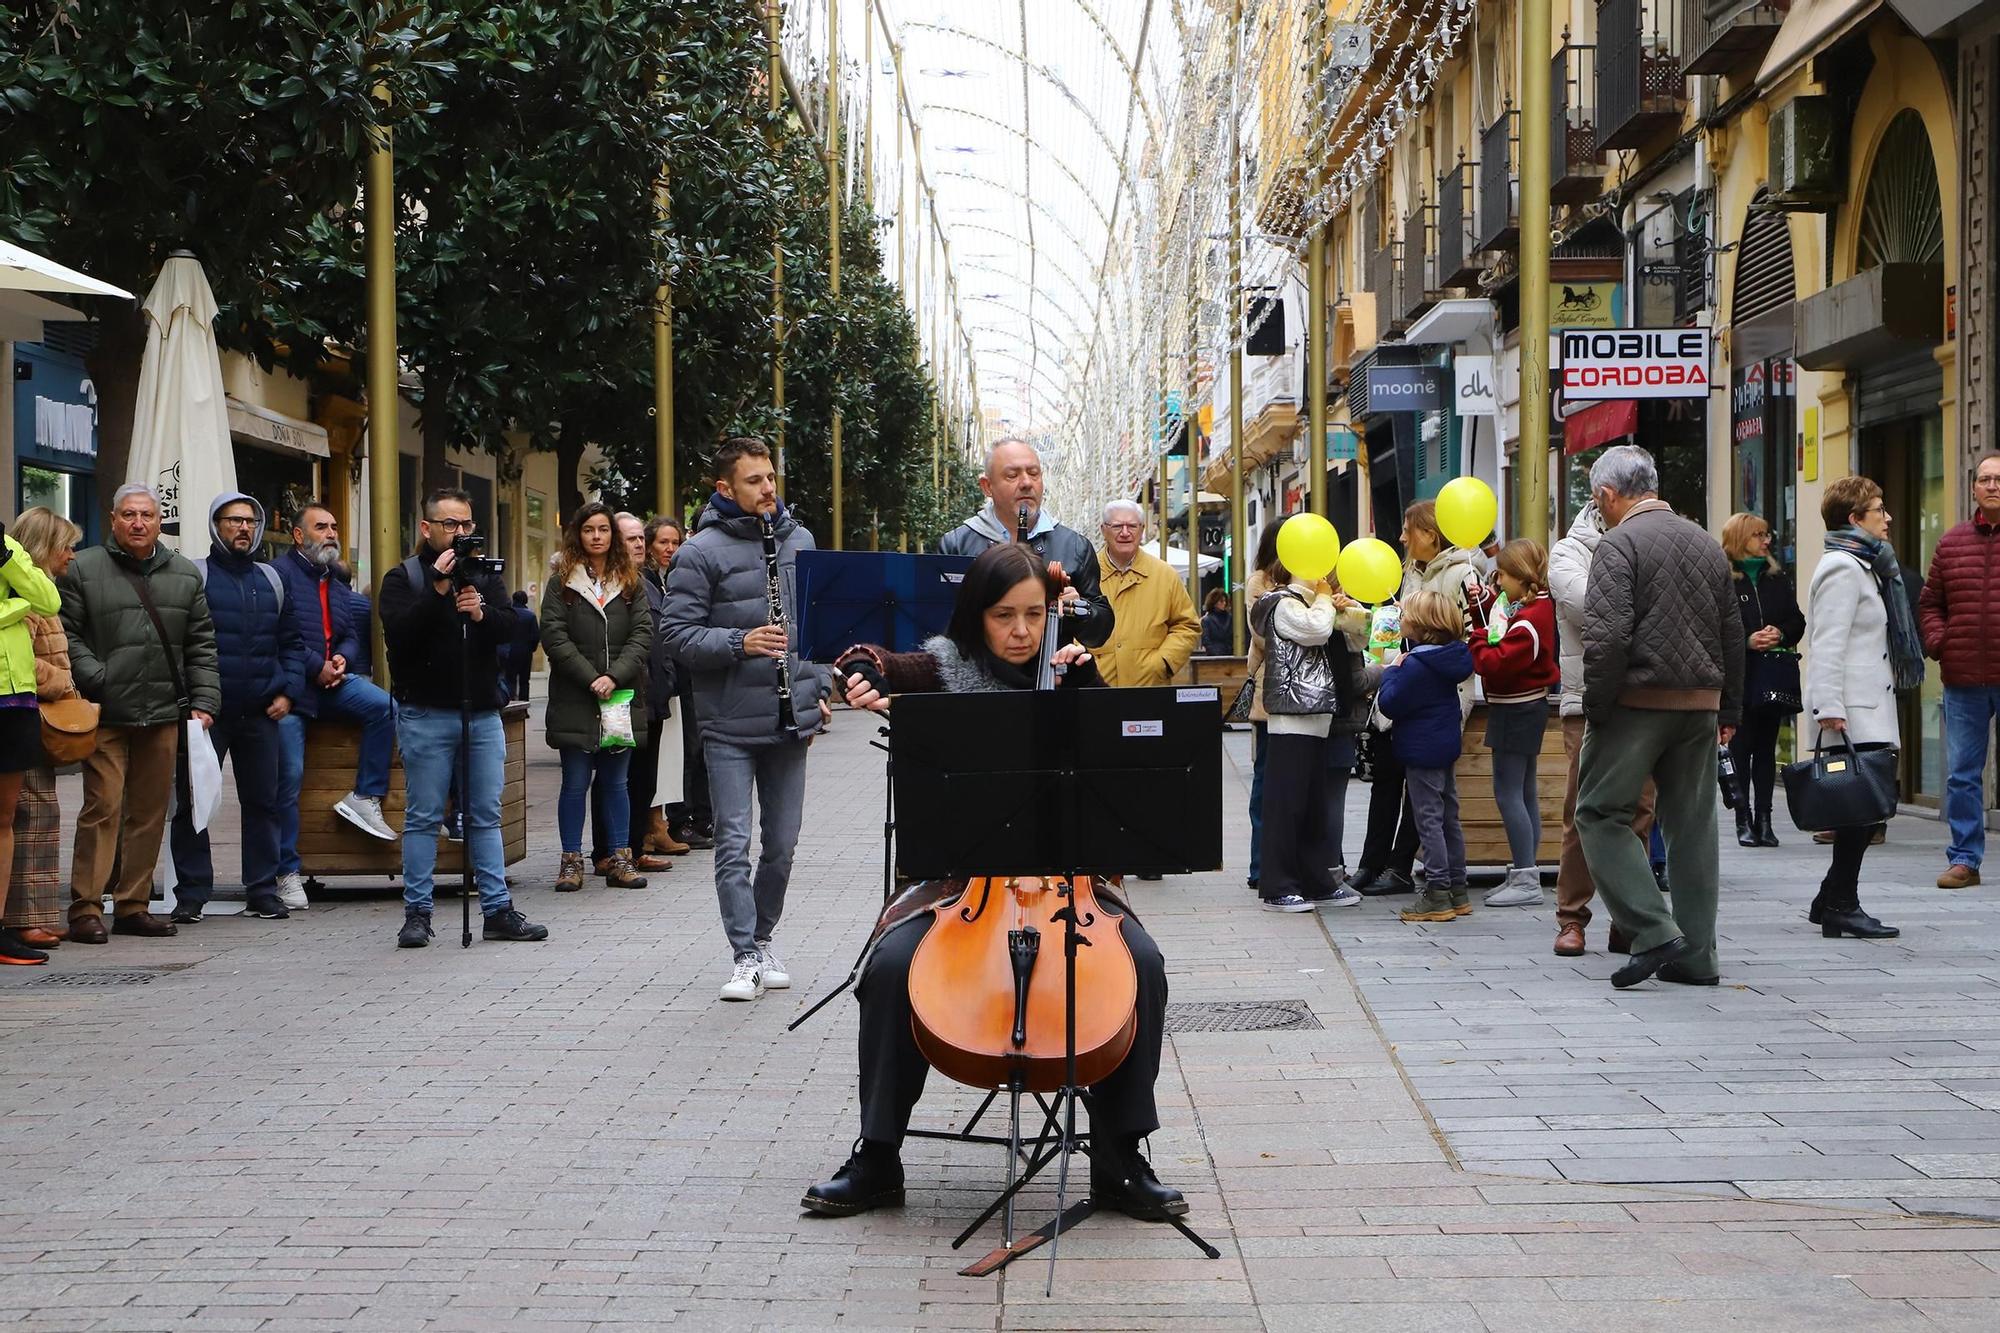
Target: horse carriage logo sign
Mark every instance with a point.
(1584, 305)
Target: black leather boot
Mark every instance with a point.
(1835, 922)
(1765, 837)
(1746, 831)
(1122, 1178)
(872, 1177)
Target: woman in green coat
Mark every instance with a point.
(24, 590)
(597, 630)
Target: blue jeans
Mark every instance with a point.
(776, 774)
(1969, 711)
(251, 746)
(609, 768)
(359, 701)
(429, 737)
(1260, 742)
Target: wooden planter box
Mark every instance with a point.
(1227, 674)
(1479, 813)
(329, 846)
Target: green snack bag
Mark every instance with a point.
(614, 722)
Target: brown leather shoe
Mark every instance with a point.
(1569, 942)
(648, 861)
(144, 923)
(1958, 877)
(621, 875)
(660, 838)
(88, 930)
(37, 938)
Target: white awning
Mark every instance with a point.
(22, 315)
(1809, 28)
(25, 271)
(274, 430)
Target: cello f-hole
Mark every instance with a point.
(972, 914)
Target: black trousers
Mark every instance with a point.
(642, 777)
(893, 1070)
(693, 807)
(1840, 891)
(1297, 852)
(1754, 751)
(1391, 843)
(516, 678)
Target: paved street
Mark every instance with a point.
(292, 1125)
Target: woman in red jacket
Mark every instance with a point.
(1517, 664)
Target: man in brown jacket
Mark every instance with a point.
(1662, 687)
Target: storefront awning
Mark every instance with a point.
(1600, 423)
(1809, 28)
(274, 430)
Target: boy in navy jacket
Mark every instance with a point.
(1419, 694)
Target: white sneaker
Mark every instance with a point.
(292, 891)
(1521, 888)
(746, 982)
(773, 971)
(365, 813)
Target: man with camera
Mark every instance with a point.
(425, 600)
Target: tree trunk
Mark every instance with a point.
(114, 370)
(434, 419)
(569, 462)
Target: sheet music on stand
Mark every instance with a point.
(882, 597)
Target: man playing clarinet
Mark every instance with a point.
(730, 602)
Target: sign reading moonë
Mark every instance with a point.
(1634, 363)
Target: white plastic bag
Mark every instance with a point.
(204, 775)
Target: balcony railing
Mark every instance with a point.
(1497, 226)
(1457, 243)
(1723, 34)
(1418, 270)
(1576, 170)
(1382, 283)
(1641, 84)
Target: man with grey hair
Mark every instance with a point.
(142, 645)
(1012, 484)
(1662, 688)
(1155, 628)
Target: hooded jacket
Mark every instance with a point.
(717, 592)
(25, 592)
(256, 638)
(1051, 541)
(315, 598)
(1569, 577)
(1420, 695)
(114, 651)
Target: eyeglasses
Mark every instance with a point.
(1123, 527)
(1986, 483)
(232, 521)
(453, 524)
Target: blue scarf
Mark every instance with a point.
(728, 508)
(1906, 649)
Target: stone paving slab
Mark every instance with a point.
(309, 1129)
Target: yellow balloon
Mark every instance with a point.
(1369, 570)
(1467, 511)
(1308, 546)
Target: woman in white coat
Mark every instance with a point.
(1862, 647)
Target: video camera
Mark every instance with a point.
(469, 565)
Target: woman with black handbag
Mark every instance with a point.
(1772, 628)
(1863, 649)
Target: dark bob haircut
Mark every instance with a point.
(993, 575)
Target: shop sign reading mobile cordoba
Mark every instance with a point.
(1634, 363)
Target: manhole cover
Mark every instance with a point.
(131, 978)
(1240, 1016)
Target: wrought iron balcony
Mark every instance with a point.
(1382, 283)
(1576, 171)
(1498, 223)
(1457, 241)
(1418, 270)
(1724, 34)
(1641, 84)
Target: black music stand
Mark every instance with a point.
(1098, 782)
(879, 597)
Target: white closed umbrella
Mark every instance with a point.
(180, 422)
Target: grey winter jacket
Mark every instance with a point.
(716, 594)
(1051, 541)
(1569, 577)
(1661, 629)
(114, 651)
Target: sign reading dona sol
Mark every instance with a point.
(1634, 363)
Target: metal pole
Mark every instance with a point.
(776, 79)
(666, 499)
(1531, 461)
(1316, 317)
(384, 399)
(833, 164)
(1160, 499)
(1236, 526)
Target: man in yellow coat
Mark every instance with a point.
(1155, 629)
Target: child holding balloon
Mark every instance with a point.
(1419, 695)
(1517, 662)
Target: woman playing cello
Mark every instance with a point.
(992, 643)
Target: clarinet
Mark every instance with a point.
(787, 723)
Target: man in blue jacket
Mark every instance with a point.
(262, 675)
(331, 621)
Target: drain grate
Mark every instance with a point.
(129, 978)
(1240, 1016)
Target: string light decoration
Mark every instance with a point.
(1115, 115)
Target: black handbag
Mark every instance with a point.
(1846, 786)
(1774, 683)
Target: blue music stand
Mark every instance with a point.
(879, 597)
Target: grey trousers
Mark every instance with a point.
(1434, 801)
(775, 776)
(1676, 750)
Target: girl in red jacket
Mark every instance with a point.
(1518, 665)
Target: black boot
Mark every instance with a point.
(1122, 1178)
(1746, 831)
(1835, 922)
(1765, 837)
(872, 1177)
(416, 931)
